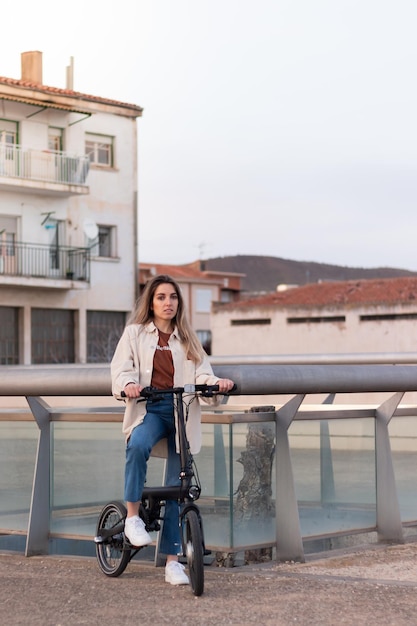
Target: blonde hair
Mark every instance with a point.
(143, 314)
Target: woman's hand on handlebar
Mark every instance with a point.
(132, 390)
(225, 385)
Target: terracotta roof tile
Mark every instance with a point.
(13, 82)
(189, 270)
(176, 271)
(349, 293)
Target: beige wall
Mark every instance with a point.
(281, 337)
(200, 320)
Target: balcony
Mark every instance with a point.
(48, 171)
(38, 265)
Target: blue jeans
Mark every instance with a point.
(158, 424)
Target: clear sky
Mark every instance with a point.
(270, 127)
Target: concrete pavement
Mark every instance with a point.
(368, 585)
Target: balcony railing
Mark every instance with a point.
(43, 165)
(43, 261)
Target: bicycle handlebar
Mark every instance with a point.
(206, 391)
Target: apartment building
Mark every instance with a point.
(200, 289)
(68, 220)
(354, 316)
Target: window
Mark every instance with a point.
(105, 243)
(316, 320)
(262, 321)
(55, 139)
(203, 300)
(226, 296)
(379, 317)
(205, 339)
(8, 132)
(99, 149)
(56, 230)
(9, 163)
(8, 228)
(9, 340)
(52, 336)
(104, 329)
(9, 246)
(251, 322)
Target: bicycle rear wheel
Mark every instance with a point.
(193, 550)
(112, 556)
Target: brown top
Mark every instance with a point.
(163, 367)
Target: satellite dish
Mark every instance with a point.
(90, 228)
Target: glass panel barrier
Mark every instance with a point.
(333, 464)
(403, 439)
(253, 485)
(18, 445)
(236, 511)
(334, 474)
(214, 469)
(88, 472)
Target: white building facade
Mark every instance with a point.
(68, 220)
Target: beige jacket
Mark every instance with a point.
(133, 363)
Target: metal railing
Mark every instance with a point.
(43, 165)
(43, 261)
(291, 383)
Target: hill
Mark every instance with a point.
(264, 273)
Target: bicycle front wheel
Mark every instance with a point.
(193, 549)
(112, 556)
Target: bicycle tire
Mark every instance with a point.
(193, 550)
(112, 555)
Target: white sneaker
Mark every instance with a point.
(175, 574)
(135, 532)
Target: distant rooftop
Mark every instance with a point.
(190, 271)
(381, 291)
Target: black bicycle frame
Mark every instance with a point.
(186, 490)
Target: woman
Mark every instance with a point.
(159, 348)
